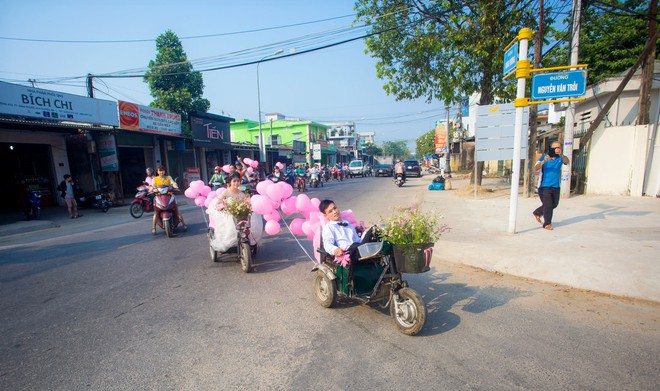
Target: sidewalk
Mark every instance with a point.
(608, 244)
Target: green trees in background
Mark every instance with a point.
(172, 82)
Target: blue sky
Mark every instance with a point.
(334, 84)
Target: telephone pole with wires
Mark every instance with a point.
(90, 85)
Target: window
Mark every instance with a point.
(275, 139)
(296, 135)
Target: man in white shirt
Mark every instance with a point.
(339, 236)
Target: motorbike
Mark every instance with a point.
(95, 199)
(399, 180)
(33, 207)
(290, 178)
(167, 212)
(326, 175)
(143, 202)
(375, 278)
(314, 180)
(433, 170)
(215, 185)
(301, 183)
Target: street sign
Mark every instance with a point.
(510, 59)
(555, 85)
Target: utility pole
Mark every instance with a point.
(570, 112)
(90, 85)
(449, 142)
(528, 183)
(460, 134)
(647, 69)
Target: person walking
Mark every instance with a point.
(550, 165)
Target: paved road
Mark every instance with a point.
(116, 308)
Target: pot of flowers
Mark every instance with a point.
(413, 233)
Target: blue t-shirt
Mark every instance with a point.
(551, 172)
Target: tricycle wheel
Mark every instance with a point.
(214, 254)
(409, 311)
(254, 250)
(325, 290)
(245, 256)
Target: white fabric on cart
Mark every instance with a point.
(226, 234)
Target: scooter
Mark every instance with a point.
(301, 184)
(290, 178)
(399, 180)
(96, 199)
(167, 212)
(33, 207)
(376, 278)
(314, 180)
(143, 202)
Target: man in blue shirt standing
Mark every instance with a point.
(550, 166)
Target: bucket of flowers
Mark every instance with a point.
(239, 209)
(413, 233)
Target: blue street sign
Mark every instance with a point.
(510, 59)
(556, 85)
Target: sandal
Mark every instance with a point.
(153, 231)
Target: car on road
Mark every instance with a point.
(412, 167)
(383, 169)
(356, 167)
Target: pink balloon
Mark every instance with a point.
(197, 186)
(247, 161)
(275, 192)
(348, 216)
(310, 236)
(303, 203)
(225, 168)
(316, 244)
(272, 227)
(190, 193)
(296, 226)
(261, 204)
(267, 217)
(276, 204)
(263, 186)
(289, 206)
(287, 190)
(208, 201)
(250, 170)
(199, 201)
(306, 228)
(315, 202)
(220, 190)
(275, 216)
(212, 195)
(205, 191)
(279, 165)
(255, 164)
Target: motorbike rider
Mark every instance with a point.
(399, 168)
(314, 173)
(165, 180)
(150, 175)
(217, 179)
(277, 175)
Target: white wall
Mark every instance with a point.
(617, 160)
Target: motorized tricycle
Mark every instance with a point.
(245, 247)
(376, 278)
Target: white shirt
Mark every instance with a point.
(338, 236)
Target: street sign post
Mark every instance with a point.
(554, 85)
(510, 59)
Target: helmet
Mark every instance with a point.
(217, 168)
(150, 170)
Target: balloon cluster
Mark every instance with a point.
(271, 197)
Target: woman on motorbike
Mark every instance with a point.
(165, 180)
(276, 175)
(218, 179)
(233, 191)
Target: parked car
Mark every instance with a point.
(356, 167)
(383, 169)
(412, 167)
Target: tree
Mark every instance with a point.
(443, 50)
(426, 143)
(612, 35)
(397, 149)
(372, 149)
(172, 81)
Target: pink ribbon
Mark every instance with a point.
(428, 253)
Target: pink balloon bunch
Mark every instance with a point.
(198, 191)
(250, 163)
(270, 197)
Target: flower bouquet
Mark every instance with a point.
(239, 209)
(413, 234)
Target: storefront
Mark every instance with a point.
(37, 128)
(212, 139)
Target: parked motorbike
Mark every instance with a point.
(167, 212)
(33, 207)
(433, 170)
(95, 199)
(143, 202)
(399, 180)
(376, 278)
